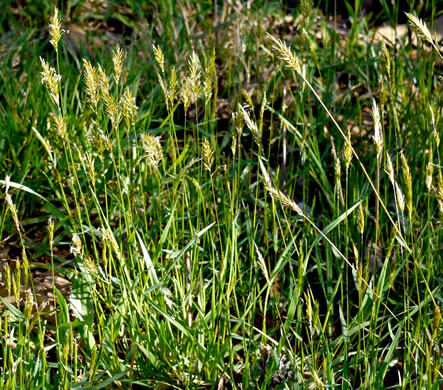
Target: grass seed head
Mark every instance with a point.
(51, 79)
(248, 99)
(434, 126)
(77, 248)
(159, 57)
(163, 88)
(100, 141)
(89, 162)
(429, 172)
(11, 208)
(103, 81)
(8, 279)
(407, 179)
(172, 90)
(234, 146)
(420, 28)
(277, 194)
(361, 218)
(92, 84)
(387, 59)
(251, 124)
(378, 135)
(61, 128)
(152, 148)
(110, 103)
(185, 95)
(29, 305)
(262, 111)
(194, 76)
(285, 54)
(306, 7)
(208, 155)
(127, 103)
(337, 171)
(382, 92)
(55, 29)
(108, 238)
(400, 198)
(238, 122)
(347, 151)
(51, 233)
(111, 109)
(118, 57)
(262, 263)
(91, 266)
(209, 78)
(390, 169)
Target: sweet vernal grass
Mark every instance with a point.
(227, 211)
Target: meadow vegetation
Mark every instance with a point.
(224, 194)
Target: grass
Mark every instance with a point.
(198, 196)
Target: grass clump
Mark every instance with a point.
(143, 232)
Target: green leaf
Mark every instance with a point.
(17, 313)
(82, 306)
(24, 188)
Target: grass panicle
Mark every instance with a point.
(175, 215)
